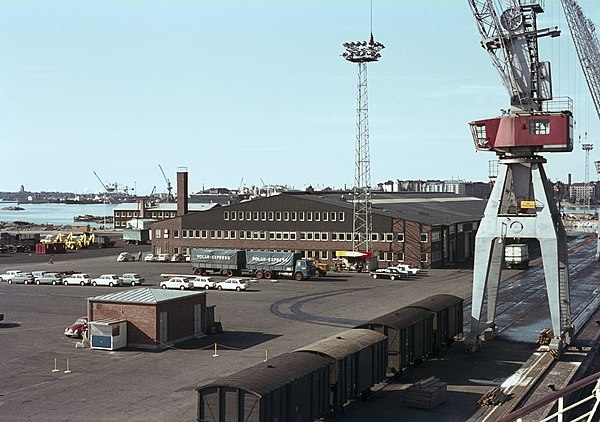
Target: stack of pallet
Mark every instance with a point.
(426, 394)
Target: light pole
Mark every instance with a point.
(361, 53)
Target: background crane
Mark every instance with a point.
(583, 33)
(170, 197)
(109, 188)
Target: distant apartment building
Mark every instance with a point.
(458, 187)
(583, 193)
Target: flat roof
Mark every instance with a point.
(145, 295)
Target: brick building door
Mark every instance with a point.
(163, 327)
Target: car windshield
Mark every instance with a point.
(80, 321)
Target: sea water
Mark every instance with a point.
(57, 214)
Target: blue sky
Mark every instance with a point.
(246, 92)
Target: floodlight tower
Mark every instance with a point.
(586, 191)
(361, 53)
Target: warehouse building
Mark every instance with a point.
(429, 230)
(155, 318)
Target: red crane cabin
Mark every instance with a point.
(550, 132)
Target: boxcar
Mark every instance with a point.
(447, 319)
(360, 362)
(292, 386)
(410, 336)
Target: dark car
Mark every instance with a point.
(77, 328)
(391, 273)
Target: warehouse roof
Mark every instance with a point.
(437, 303)
(344, 344)
(423, 207)
(144, 296)
(273, 374)
(165, 206)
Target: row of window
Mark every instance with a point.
(280, 235)
(284, 215)
(148, 214)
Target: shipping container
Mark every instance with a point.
(447, 319)
(360, 357)
(289, 387)
(410, 336)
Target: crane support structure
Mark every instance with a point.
(521, 205)
(170, 197)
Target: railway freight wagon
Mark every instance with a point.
(447, 317)
(360, 362)
(259, 264)
(410, 336)
(289, 387)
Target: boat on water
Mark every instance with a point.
(13, 208)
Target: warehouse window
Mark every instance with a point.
(286, 235)
(225, 215)
(233, 215)
(324, 255)
(324, 236)
(241, 215)
(271, 213)
(309, 216)
(204, 234)
(157, 233)
(278, 215)
(286, 216)
(263, 216)
(424, 257)
(400, 237)
(248, 234)
(389, 237)
(301, 216)
(242, 234)
(271, 235)
(294, 215)
(375, 237)
(309, 235)
(255, 215)
(340, 216)
(317, 216)
(399, 256)
(317, 235)
(302, 235)
(225, 234)
(176, 234)
(334, 237)
(436, 236)
(278, 235)
(333, 216)
(166, 233)
(424, 237)
(184, 234)
(385, 256)
(248, 216)
(325, 216)
(292, 235)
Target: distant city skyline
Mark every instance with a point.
(252, 93)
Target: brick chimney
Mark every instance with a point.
(141, 208)
(182, 191)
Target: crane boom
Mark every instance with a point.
(170, 197)
(511, 41)
(583, 32)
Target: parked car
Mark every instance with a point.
(50, 278)
(77, 328)
(233, 284)
(21, 278)
(390, 272)
(409, 270)
(107, 280)
(163, 257)
(125, 257)
(181, 283)
(150, 257)
(9, 274)
(79, 278)
(132, 278)
(37, 275)
(202, 282)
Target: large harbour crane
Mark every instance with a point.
(583, 33)
(521, 206)
(110, 188)
(170, 197)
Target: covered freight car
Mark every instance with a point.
(292, 386)
(410, 336)
(447, 319)
(360, 363)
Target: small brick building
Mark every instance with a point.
(156, 318)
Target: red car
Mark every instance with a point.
(77, 328)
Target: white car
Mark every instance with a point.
(7, 275)
(163, 257)
(233, 284)
(133, 278)
(125, 257)
(409, 270)
(80, 278)
(180, 283)
(202, 282)
(107, 280)
(149, 257)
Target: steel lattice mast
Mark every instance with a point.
(362, 52)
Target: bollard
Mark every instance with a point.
(67, 371)
(266, 355)
(216, 354)
(55, 366)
